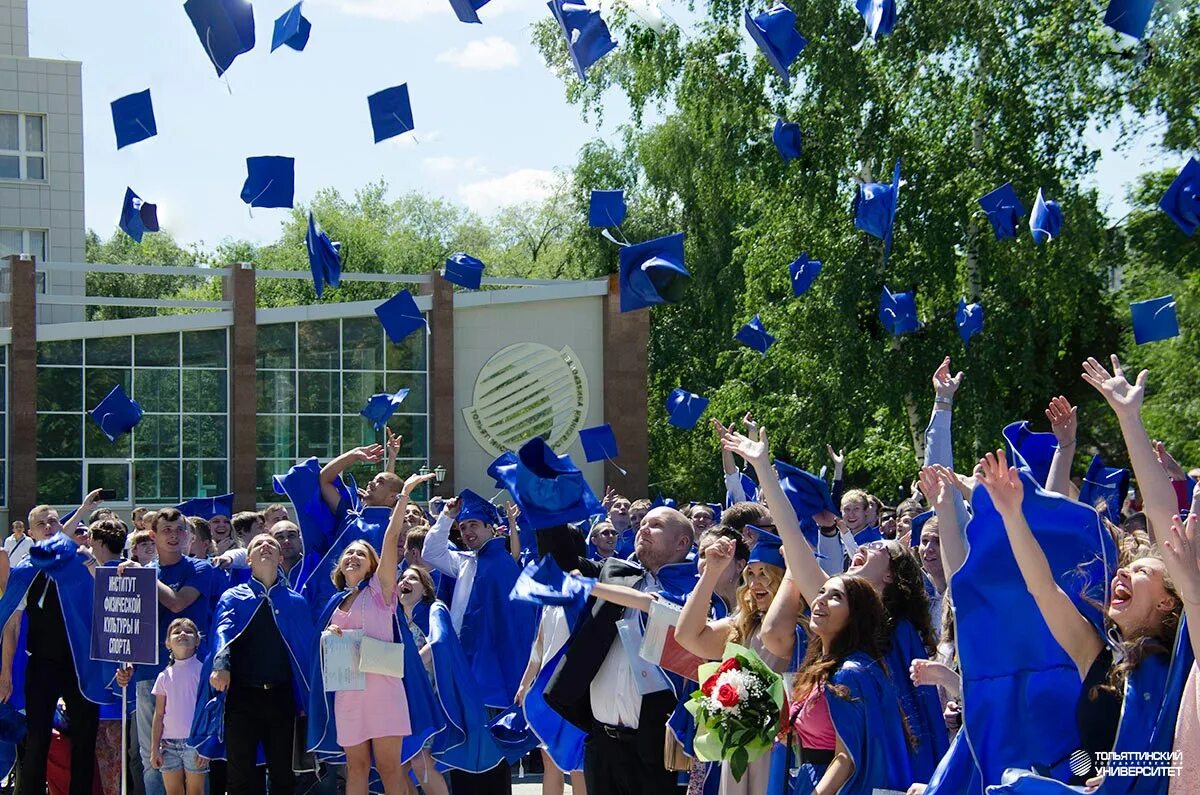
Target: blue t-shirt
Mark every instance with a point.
(199, 575)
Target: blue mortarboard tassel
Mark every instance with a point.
(1109, 484)
(324, 257)
(133, 118)
(880, 16)
(755, 335)
(652, 273)
(768, 549)
(225, 28)
(804, 272)
(291, 29)
(207, 507)
(391, 112)
(400, 316)
(116, 414)
(774, 31)
(588, 37)
(270, 181)
(1046, 221)
(875, 209)
(808, 494)
(1182, 199)
(787, 139)
(606, 208)
(381, 407)
(969, 319)
(599, 443)
(137, 216)
(684, 408)
(898, 312)
(463, 270)
(1154, 320)
(1129, 16)
(465, 9)
(1004, 210)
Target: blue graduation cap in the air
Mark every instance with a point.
(652, 272)
(116, 414)
(588, 37)
(1154, 320)
(380, 407)
(324, 257)
(465, 9)
(918, 524)
(207, 507)
(1004, 210)
(898, 312)
(1107, 484)
(548, 488)
(225, 29)
(599, 443)
(1030, 450)
(391, 112)
(1182, 200)
(270, 181)
(463, 270)
(137, 216)
(774, 31)
(400, 316)
(768, 549)
(808, 494)
(684, 408)
(804, 272)
(875, 208)
(133, 118)
(475, 507)
(969, 319)
(787, 139)
(606, 208)
(880, 16)
(755, 335)
(291, 29)
(662, 502)
(1129, 16)
(1046, 220)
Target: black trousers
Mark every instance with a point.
(497, 781)
(254, 716)
(614, 767)
(45, 683)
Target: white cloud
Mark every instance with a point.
(527, 184)
(448, 165)
(391, 10)
(484, 55)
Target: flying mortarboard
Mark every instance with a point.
(808, 494)
(391, 112)
(548, 488)
(684, 408)
(133, 118)
(606, 208)
(1030, 450)
(465, 9)
(652, 272)
(475, 507)
(137, 216)
(270, 181)
(599, 444)
(768, 549)
(755, 335)
(1129, 16)
(880, 16)
(804, 272)
(207, 507)
(400, 316)
(324, 257)
(787, 139)
(774, 31)
(116, 414)
(969, 319)
(588, 37)
(1047, 219)
(875, 209)
(291, 29)
(1004, 210)
(1182, 199)
(225, 28)
(463, 270)
(1109, 484)
(1154, 319)
(380, 407)
(898, 312)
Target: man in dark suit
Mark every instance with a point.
(596, 686)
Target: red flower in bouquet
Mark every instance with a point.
(732, 664)
(728, 695)
(709, 684)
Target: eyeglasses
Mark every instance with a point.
(82, 531)
(607, 533)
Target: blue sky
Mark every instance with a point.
(492, 121)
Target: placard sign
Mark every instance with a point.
(125, 616)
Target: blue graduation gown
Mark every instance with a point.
(922, 705)
(318, 525)
(368, 525)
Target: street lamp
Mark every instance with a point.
(423, 471)
(439, 473)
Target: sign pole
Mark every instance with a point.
(124, 739)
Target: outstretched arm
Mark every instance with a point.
(334, 469)
(694, 632)
(940, 487)
(1181, 552)
(939, 447)
(1061, 414)
(389, 556)
(778, 633)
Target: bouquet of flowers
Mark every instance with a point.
(736, 709)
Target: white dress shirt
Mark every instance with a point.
(616, 698)
(452, 562)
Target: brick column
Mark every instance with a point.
(441, 379)
(22, 392)
(626, 337)
(243, 389)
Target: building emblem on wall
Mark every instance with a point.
(527, 390)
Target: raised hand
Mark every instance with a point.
(1063, 421)
(944, 384)
(756, 453)
(415, 480)
(1124, 397)
(610, 496)
(718, 556)
(837, 457)
(513, 512)
(938, 484)
(1181, 552)
(1002, 482)
(932, 672)
(451, 507)
(1169, 464)
(750, 425)
(370, 453)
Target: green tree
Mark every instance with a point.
(155, 249)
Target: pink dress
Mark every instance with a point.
(382, 709)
